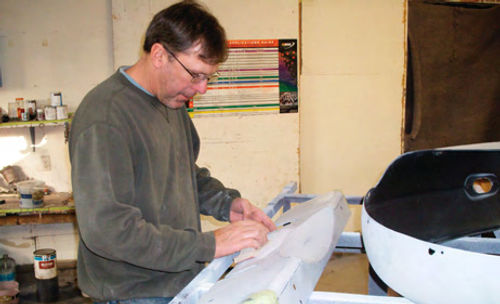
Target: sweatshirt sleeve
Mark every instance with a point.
(214, 198)
(110, 223)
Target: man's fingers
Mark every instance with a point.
(243, 234)
(269, 224)
(242, 210)
(260, 216)
(254, 230)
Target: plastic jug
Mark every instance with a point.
(7, 268)
(9, 289)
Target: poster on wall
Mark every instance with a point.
(289, 101)
(259, 77)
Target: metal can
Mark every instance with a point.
(45, 263)
(40, 114)
(47, 287)
(50, 113)
(62, 112)
(56, 99)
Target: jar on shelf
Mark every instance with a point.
(40, 114)
(20, 107)
(30, 108)
(12, 110)
(25, 116)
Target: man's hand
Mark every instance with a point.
(239, 235)
(242, 209)
(249, 228)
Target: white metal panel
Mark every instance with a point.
(430, 273)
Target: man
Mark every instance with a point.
(137, 189)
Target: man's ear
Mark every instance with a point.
(158, 55)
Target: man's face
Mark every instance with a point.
(175, 85)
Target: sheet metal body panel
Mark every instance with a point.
(426, 198)
(430, 273)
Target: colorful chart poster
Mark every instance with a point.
(289, 100)
(250, 80)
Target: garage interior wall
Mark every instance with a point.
(349, 104)
(352, 85)
(47, 46)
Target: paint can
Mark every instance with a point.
(47, 286)
(50, 113)
(56, 99)
(62, 112)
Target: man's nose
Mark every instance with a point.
(201, 87)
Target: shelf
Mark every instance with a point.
(58, 208)
(34, 123)
(38, 123)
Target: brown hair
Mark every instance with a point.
(182, 25)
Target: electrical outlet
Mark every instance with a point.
(46, 166)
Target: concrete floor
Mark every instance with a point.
(345, 272)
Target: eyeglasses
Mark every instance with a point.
(195, 77)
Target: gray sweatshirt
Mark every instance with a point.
(139, 194)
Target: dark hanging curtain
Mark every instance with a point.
(453, 83)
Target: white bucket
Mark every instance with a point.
(26, 190)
